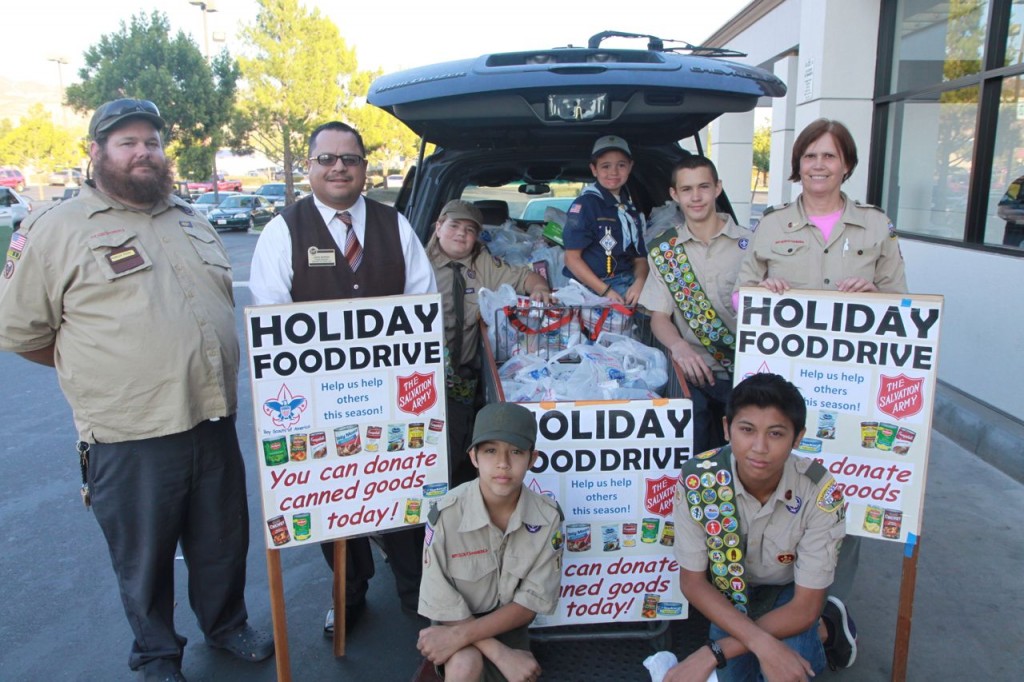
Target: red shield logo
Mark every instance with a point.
(900, 396)
(658, 497)
(417, 393)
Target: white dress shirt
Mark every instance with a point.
(270, 278)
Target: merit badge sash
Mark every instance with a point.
(710, 497)
(670, 258)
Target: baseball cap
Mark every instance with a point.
(506, 422)
(608, 143)
(456, 209)
(110, 114)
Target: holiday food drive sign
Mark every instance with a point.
(866, 365)
(613, 466)
(349, 410)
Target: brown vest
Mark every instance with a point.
(382, 272)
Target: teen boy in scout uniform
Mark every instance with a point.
(688, 291)
(492, 557)
(757, 537)
(463, 267)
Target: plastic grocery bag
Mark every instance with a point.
(640, 363)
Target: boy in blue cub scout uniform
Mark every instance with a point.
(758, 531)
(603, 234)
(492, 558)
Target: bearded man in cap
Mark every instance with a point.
(126, 291)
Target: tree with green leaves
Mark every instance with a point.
(142, 60)
(762, 152)
(37, 143)
(389, 142)
(300, 73)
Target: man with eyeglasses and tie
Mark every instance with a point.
(127, 292)
(335, 244)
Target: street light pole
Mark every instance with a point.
(207, 8)
(61, 61)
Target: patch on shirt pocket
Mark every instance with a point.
(118, 254)
(207, 246)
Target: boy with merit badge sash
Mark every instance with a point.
(691, 275)
(492, 558)
(758, 531)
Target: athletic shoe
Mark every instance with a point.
(841, 643)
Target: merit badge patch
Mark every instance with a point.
(831, 497)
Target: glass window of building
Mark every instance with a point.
(938, 42)
(926, 184)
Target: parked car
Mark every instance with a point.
(66, 176)
(13, 178)
(277, 192)
(13, 208)
(223, 185)
(533, 212)
(517, 122)
(242, 212)
(204, 203)
(393, 181)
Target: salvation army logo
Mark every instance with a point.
(658, 496)
(417, 393)
(286, 409)
(900, 396)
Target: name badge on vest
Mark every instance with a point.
(321, 257)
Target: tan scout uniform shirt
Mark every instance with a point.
(715, 265)
(862, 244)
(483, 271)
(791, 538)
(470, 567)
(140, 307)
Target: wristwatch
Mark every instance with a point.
(717, 651)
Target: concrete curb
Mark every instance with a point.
(982, 430)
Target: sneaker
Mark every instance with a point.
(841, 644)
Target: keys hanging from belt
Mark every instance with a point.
(83, 463)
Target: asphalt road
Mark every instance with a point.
(61, 618)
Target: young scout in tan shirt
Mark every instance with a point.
(492, 558)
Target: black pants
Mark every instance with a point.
(149, 495)
(405, 554)
(708, 409)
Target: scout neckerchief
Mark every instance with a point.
(707, 479)
(630, 228)
(669, 255)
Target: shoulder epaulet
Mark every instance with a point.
(551, 502)
(34, 217)
(816, 472)
(860, 205)
(435, 508)
(771, 209)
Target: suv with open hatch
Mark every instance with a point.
(512, 127)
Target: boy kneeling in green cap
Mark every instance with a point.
(492, 557)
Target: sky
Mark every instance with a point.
(390, 34)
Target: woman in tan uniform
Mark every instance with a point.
(824, 240)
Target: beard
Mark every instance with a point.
(121, 184)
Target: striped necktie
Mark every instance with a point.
(353, 249)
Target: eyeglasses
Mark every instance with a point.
(347, 160)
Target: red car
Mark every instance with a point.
(12, 177)
(223, 185)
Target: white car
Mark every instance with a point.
(13, 208)
(205, 203)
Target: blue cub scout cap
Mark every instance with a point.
(506, 422)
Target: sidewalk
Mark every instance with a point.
(61, 619)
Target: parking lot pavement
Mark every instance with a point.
(61, 619)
